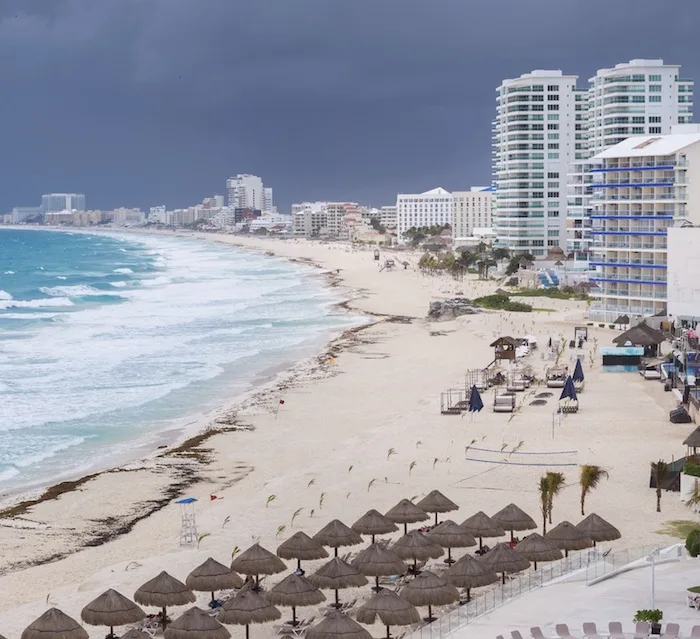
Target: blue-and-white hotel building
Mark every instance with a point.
(640, 187)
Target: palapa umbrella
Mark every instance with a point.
(391, 609)
(536, 548)
(427, 589)
(504, 559)
(436, 502)
(295, 590)
(135, 633)
(163, 591)
(196, 624)
(567, 537)
(417, 546)
(300, 546)
(247, 607)
(469, 573)
(597, 529)
(406, 512)
(481, 525)
(377, 561)
(337, 625)
(211, 576)
(513, 518)
(374, 523)
(257, 561)
(337, 574)
(111, 609)
(336, 534)
(54, 624)
(450, 535)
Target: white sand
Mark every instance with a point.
(327, 454)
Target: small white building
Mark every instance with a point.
(684, 273)
(418, 210)
(471, 209)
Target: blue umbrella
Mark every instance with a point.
(569, 391)
(578, 371)
(475, 403)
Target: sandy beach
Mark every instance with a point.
(360, 428)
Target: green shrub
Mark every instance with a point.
(692, 542)
(652, 616)
(502, 303)
(691, 469)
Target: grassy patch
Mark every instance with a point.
(680, 528)
(553, 293)
(544, 310)
(695, 589)
(502, 303)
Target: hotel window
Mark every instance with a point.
(639, 98)
(639, 120)
(655, 88)
(552, 127)
(553, 176)
(553, 87)
(552, 107)
(553, 194)
(654, 129)
(654, 98)
(553, 136)
(538, 87)
(553, 116)
(552, 156)
(553, 145)
(553, 97)
(638, 130)
(552, 213)
(654, 78)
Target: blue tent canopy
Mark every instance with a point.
(578, 372)
(475, 403)
(569, 392)
(186, 500)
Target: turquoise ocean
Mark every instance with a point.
(108, 341)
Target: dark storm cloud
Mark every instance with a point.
(137, 102)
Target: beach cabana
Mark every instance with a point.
(567, 537)
(596, 528)
(337, 625)
(391, 609)
(513, 518)
(505, 560)
(111, 609)
(504, 348)
(436, 502)
(427, 589)
(256, 561)
(642, 336)
(212, 576)
(164, 591)
(555, 377)
(337, 575)
(406, 512)
(54, 624)
(470, 573)
(374, 523)
(301, 547)
(336, 534)
(196, 624)
(536, 548)
(377, 561)
(481, 525)
(692, 443)
(295, 591)
(246, 608)
(450, 535)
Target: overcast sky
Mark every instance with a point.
(142, 102)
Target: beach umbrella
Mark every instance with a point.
(513, 518)
(578, 372)
(256, 561)
(163, 591)
(536, 548)
(337, 625)
(406, 512)
(336, 575)
(597, 529)
(54, 624)
(135, 633)
(475, 401)
(111, 609)
(295, 590)
(469, 573)
(374, 523)
(391, 609)
(336, 534)
(436, 502)
(211, 576)
(481, 525)
(417, 546)
(377, 561)
(450, 535)
(300, 546)
(504, 559)
(196, 624)
(567, 537)
(427, 589)
(246, 608)
(568, 392)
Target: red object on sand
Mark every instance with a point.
(281, 401)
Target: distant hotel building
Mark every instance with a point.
(246, 191)
(57, 202)
(640, 186)
(431, 208)
(471, 210)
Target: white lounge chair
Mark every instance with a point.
(615, 630)
(695, 632)
(562, 631)
(536, 633)
(642, 630)
(672, 631)
(590, 631)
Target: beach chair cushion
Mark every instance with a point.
(615, 630)
(672, 631)
(562, 630)
(536, 633)
(695, 632)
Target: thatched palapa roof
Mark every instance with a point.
(481, 525)
(597, 529)
(640, 335)
(567, 537)
(427, 589)
(336, 534)
(337, 625)
(164, 590)
(468, 572)
(257, 560)
(536, 548)
(211, 576)
(436, 502)
(246, 608)
(513, 518)
(374, 523)
(377, 561)
(54, 624)
(417, 546)
(391, 609)
(196, 624)
(338, 574)
(295, 590)
(301, 546)
(111, 609)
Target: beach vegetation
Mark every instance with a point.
(566, 293)
(280, 530)
(202, 536)
(377, 225)
(589, 479)
(500, 253)
(651, 616)
(502, 303)
(679, 528)
(659, 469)
(320, 501)
(350, 468)
(411, 466)
(417, 235)
(234, 552)
(418, 444)
(692, 542)
(389, 453)
(228, 519)
(297, 512)
(311, 483)
(270, 499)
(371, 483)
(544, 502)
(694, 470)
(555, 482)
(435, 461)
(515, 259)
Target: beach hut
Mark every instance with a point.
(164, 591)
(417, 546)
(54, 624)
(469, 573)
(513, 518)
(301, 547)
(337, 625)
(246, 608)
(377, 561)
(692, 443)
(336, 575)
(374, 523)
(196, 624)
(536, 548)
(212, 576)
(256, 561)
(504, 348)
(505, 560)
(427, 589)
(406, 512)
(295, 591)
(336, 534)
(436, 502)
(596, 528)
(642, 336)
(567, 537)
(391, 610)
(111, 609)
(450, 535)
(481, 525)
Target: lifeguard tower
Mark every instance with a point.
(188, 526)
(504, 348)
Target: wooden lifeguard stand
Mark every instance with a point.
(188, 526)
(504, 348)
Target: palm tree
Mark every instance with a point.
(659, 469)
(694, 500)
(544, 502)
(591, 476)
(555, 482)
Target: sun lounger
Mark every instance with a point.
(590, 631)
(536, 633)
(515, 634)
(695, 632)
(615, 630)
(562, 631)
(641, 630)
(672, 631)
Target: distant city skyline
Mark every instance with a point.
(287, 93)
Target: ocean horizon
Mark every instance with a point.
(108, 342)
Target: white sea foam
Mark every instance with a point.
(161, 280)
(9, 272)
(54, 301)
(118, 284)
(4, 295)
(8, 473)
(61, 277)
(48, 452)
(29, 316)
(124, 271)
(80, 290)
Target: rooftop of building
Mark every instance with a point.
(653, 145)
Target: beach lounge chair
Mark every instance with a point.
(590, 631)
(562, 631)
(515, 634)
(536, 633)
(695, 632)
(642, 630)
(615, 630)
(672, 631)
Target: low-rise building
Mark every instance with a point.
(419, 210)
(471, 209)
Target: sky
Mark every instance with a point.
(146, 102)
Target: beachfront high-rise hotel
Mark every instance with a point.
(533, 146)
(58, 202)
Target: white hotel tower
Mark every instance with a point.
(533, 149)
